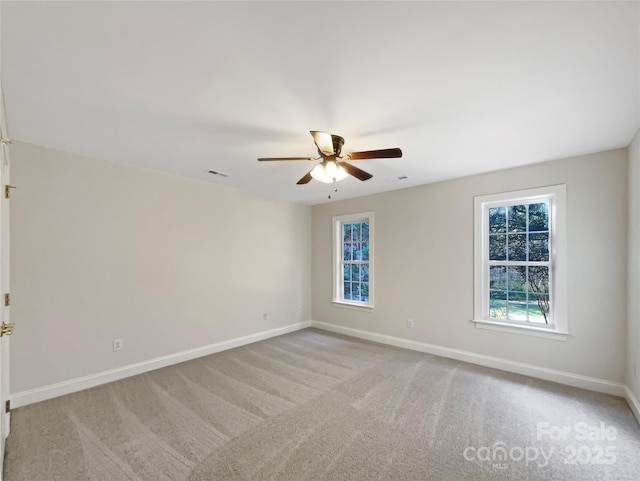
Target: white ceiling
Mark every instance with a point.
(184, 87)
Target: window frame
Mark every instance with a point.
(556, 196)
(338, 262)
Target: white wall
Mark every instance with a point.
(103, 251)
(424, 265)
(633, 363)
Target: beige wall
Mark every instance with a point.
(633, 363)
(424, 265)
(103, 251)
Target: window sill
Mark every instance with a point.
(524, 330)
(353, 305)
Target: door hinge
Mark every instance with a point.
(7, 406)
(6, 329)
(7, 191)
(7, 300)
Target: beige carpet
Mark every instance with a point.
(316, 406)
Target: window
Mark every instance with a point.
(353, 260)
(520, 258)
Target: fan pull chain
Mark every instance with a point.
(335, 187)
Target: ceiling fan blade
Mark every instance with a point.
(375, 154)
(270, 159)
(306, 179)
(356, 172)
(323, 141)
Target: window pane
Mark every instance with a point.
(365, 251)
(517, 310)
(347, 291)
(538, 217)
(517, 278)
(517, 295)
(498, 247)
(364, 291)
(497, 277)
(539, 246)
(497, 220)
(364, 273)
(346, 232)
(347, 251)
(517, 215)
(498, 304)
(357, 252)
(355, 291)
(355, 272)
(365, 232)
(518, 247)
(347, 272)
(539, 308)
(355, 232)
(539, 279)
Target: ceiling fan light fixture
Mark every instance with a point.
(341, 174)
(319, 174)
(330, 168)
(329, 172)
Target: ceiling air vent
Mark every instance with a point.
(218, 173)
(402, 177)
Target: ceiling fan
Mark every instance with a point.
(333, 167)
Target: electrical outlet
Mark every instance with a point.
(264, 316)
(410, 323)
(118, 345)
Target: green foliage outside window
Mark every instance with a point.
(519, 234)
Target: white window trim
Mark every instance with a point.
(557, 196)
(338, 220)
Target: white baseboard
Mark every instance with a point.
(78, 384)
(633, 403)
(562, 377)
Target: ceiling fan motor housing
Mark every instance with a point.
(338, 142)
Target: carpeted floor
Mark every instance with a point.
(316, 406)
